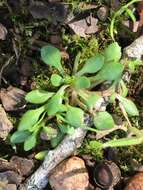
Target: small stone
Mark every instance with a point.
(12, 98)
(102, 13)
(5, 124)
(3, 32)
(22, 165)
(10, 187)
(11, 176)
(70, 175)
(136, 182)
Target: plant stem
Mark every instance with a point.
(118, 13)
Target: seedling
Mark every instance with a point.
(61, 111)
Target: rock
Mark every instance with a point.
(11, 176)
(10, 187)
(5, 124)
(102, 13)
(3, 32)
(136, 182)
(22, 165)
(71, 174)
(12, 98)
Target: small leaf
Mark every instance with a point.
(123, 89)
(30, 118)
(133, 64)
(55, 141)
(129, 106)
(52, 56)
(56, 80)
(38, 96)
(41, 155)
(75, 116)
(103, 121)
(92, 65)
(110, 72)
(82, 82)
(50, 132)
(113, 52)
(19, 136)
(89, 98)
(131, 14)
(66, 129)
(55, 103)
(30, 142)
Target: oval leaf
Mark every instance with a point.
(82, 82)
(41, 155)
(38, 96)
(51, 56)
(30, 143)
(110, 71)
(103, 121)
(113, 52)
(92, 65)
(75, 116)
(30, 118)
(19, 136)
(129, 106)
(56, 80)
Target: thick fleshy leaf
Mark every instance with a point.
(38, 96)
(113, 52)
(129, 106)
(55, 103)
(110, 72)
(41, 155)
(51, 56)
(50, 132)
(19, 136)
(55, 141)
(123, 89)
(30, 142)
(75, 116)
(82, 82)
(66, 129)
(56, 80)
(103, 121)
(92, 65)
(30, 118)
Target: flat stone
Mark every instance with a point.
(71, 174)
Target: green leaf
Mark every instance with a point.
(110, 72)
(66, 129)
(50, 132)
(103, 121)
(30, 142)
(56, 80)
(52, 56)
(38, 96)
(123, 89)
(82, 82)
(19, 136)
(133, 64)
(92, 65)
(131, 14)
(55, 141)
(74, 116)
(41, 155)
(129, 106)
(55, 103)
(30, 118)
(89, 98)
(113, 52)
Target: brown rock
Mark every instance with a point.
(5, 124)
(12, 98)
(22, 165)
(136, 182)
(11, 177)
(10, 187)
(70, 175)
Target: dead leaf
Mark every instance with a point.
(3, 32)
(84, 26)
(5, 124)
(12, 98)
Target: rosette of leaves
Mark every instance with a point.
(73, 98)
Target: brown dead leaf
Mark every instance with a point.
(3, 32)
(5, 124)
(12, 98)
